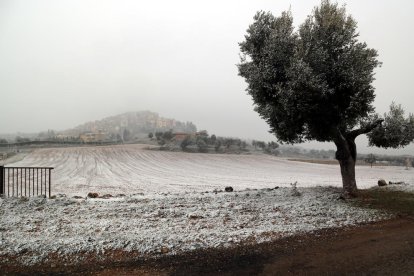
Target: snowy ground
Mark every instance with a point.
(170, 206)
(131, 169)
(153, 225)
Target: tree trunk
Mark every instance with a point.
(346, 155)
(348, 176)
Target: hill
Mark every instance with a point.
(130, 124)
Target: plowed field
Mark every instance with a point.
(133, 169)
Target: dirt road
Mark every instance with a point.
(385, 248)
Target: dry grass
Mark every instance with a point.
(398, 202)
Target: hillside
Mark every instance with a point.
(133, 123)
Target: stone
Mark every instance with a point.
(382, 182)
(165, 250)
(93, 195)
(195, 216)
(396, 183)
(77, 197)
(228, 189)
(24, 199)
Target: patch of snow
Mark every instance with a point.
(167, 223)
(130, 169)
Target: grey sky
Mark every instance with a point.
(66, 62)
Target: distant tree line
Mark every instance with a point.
(203, 142)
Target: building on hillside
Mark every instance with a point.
(180, 136)
(92, 137)
(165, 123)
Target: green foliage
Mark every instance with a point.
(150, 135)
(185, 143)
(3, 141)
(311, 83)
(20, 139)
(217, 145)
(202, 145)
(213, 139)
(126, 135)
(272, 145)
(260, 144)
(168, 135)
(158, 135)
(396, 130)
(271, 148)
(371, 159)
(202, 133)
(228, 142)
(243, 145)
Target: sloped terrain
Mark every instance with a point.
(130, 169)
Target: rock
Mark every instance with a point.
(195, 246)
(382, 182)
(93, 195)
(396, 183)
(77, 197)
(194, 216)
(228, 189)
(164, 250)
(24, 199)
(107, 196)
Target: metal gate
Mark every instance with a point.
(25, 181)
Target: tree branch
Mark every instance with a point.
(365, 129)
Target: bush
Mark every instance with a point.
(202, 145)
(185, 143)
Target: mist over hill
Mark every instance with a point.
(140, 122)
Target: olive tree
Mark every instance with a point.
(315, 83)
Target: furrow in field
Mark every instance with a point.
(131, 169)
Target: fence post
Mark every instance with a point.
(2, 180)
(50, 184)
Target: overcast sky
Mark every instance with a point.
(66, 62)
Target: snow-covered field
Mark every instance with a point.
(169, 205)
(131, 169)
(31, 229)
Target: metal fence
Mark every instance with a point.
(25, 181)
